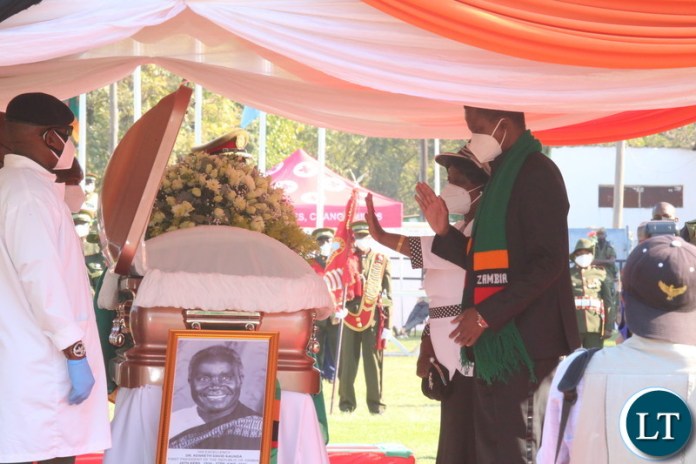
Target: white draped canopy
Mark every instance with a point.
(339, 64)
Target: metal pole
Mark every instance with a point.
(262, 141)
(436, 168)
(321, 157)
(137, 94)
(82, 133)
(338, 350)
(619, 184)
(198, 114)
(113, 114)
(423, 175)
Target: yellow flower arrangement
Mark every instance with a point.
(225, 189)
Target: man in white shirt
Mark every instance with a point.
(54, 386)
(659, 283)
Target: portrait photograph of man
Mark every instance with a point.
(218, 400)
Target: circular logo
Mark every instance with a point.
(655, 423)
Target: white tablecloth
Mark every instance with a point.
(136, 423)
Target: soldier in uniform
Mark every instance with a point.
(365, 325)
(593, 298)
(328, 328)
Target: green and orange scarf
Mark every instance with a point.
(498, 354)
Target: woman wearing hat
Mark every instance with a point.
(443, 284)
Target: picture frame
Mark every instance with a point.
(218, 397)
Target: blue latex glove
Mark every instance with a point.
(81, 379)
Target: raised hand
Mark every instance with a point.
(376, 230)
(433, 208)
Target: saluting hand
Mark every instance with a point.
(376, 230)
(433, 207)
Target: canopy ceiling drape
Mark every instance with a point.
(609, 34)
(343, 64)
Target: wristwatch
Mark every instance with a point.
(75, 351)
(480, 322)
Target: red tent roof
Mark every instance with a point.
(297, 175)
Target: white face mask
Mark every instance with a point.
(584, 260)
(458, 199)
(485, 147)
(74, 197)
(363, 244)
(82, 230)
(325, 249)
(66, 156)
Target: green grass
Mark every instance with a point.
(410, 419)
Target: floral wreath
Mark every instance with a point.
(224, 189)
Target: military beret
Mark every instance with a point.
(39, 109)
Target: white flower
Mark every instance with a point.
(183, 209)
(196, 192)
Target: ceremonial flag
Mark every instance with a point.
(341, 267)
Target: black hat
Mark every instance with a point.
(39, 109)
(659, 290)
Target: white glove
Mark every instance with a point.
(386, 334)
(342, 313)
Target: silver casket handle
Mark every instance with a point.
(199, 319)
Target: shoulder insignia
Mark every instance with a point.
(670, 290)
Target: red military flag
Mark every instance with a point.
(341, 268)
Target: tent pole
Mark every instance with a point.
(262, 141)
(619, 184)
(423, 175)
(321, 157)
(113, 114)
(436, 168)
(137, 94)
(82, 133)
(198, 114)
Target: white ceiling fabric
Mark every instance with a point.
(339, 64)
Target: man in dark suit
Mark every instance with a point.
(518, 300)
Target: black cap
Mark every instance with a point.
(659, 290)
(39, 109)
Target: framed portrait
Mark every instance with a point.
(218, 397)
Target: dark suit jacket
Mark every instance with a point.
(539, 295)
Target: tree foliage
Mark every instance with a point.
(387, 166)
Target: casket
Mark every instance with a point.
(213, 277)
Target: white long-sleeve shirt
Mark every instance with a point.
(45, 306)
(613, 376)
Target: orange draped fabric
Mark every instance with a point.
(623, 34)
(620, 126)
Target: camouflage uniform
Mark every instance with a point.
(593, 299)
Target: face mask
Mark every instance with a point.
(66, 155)
(362, 244)
(584, 260)
(74, 197)
(458, 199)
(325, 249)
(82, 230)
(485, 147)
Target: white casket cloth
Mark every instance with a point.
(136, 424)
